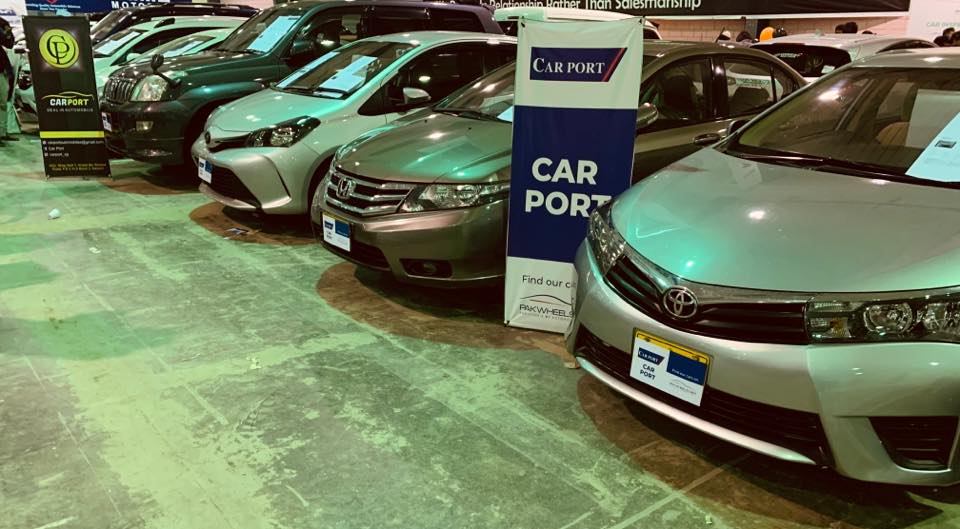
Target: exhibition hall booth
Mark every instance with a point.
(396, 263)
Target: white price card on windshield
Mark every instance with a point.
(350, 77)
(309, 67)
(273, 33)
(940, 161)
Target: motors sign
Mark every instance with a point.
(71, 136)
(574, 126)
(717, 7)
(85, 6)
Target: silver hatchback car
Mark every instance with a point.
(795, 290)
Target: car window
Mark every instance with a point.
(783, 83)
(650, 34)
(386, 20)
(264, 31)
(439, 71)
(869, 117)
(682, 94)
(496, 55)
(183, 45)
(750, 87)
(331, 28)
(113, 43)
(454, 20)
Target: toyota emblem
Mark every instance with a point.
(680, 302)
(345, 188)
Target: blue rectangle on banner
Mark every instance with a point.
(574, 64)
(560, 176)
(687, 368)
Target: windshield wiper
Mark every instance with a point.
(820, 163)
(467, 113)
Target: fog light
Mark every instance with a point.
(144, 126)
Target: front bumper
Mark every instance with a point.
(162, 143)
(784, 400)
(466, 246)
(269, 179)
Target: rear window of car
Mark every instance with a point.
(809, 61)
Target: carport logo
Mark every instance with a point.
(58, 48)
(585, 65)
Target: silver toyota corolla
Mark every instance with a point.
(794, 290)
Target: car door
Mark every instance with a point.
(685, 95)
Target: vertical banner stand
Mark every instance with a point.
(574, 126)
(61, 63)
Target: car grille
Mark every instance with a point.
(225, 182)
(118, 89)
(748, 322)
(367, 196)
(799, 431)
(918, 443)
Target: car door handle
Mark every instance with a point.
(707, 139)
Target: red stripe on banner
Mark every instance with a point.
(613, 65)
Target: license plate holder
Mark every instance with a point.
(107, 124)
(337, 232)
(674, 369)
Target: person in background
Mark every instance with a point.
(779, 32)
(6, 79)
(868, 32)
(851, 27)
(724, 35)
(744, 36)
(840, 29)
(948, 33)
(954, 40)
(941, 41)
(766, 34)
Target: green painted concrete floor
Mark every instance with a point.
(160, 371)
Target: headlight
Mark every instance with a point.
(605, 240)
(150, 88)
(453, 196)
(931, 318)
(282, 134)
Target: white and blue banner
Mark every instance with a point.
(574, 125)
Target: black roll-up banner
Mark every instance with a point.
(61, 64)
(717, 7)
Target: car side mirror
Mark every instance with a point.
(736, 125)
(156, 62)
(647, 115)
(414, 96)
(302, 47)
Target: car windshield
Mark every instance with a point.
(490, 97)
(875, 122)
(106, 25)
(808, 61)
(338, 74)
(110, 45)
(182, 46)
(264, 31)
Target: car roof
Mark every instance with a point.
(429, 38)
(205, 20)
(186, 6)
(914, 58)
(842, 41)
(661, 48)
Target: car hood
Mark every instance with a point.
(439, 147)
(269, 107)
(718, 219)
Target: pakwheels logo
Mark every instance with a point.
(68, 99)
(546, 306)
(585, 65)
(58, 48)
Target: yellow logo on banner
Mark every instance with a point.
(59, 48)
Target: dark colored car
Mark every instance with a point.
(124, 18)
(157, 115)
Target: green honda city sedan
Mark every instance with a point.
(795, 289)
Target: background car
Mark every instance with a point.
(426, 200)
(793, 289)
(509, 17)
(269, 151)
(123, 18)
(123, 47)
(155, 120)
(815, 54)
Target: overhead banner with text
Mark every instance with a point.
(574, 123)
(61, 63)
(652, 8)
(85, 6)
